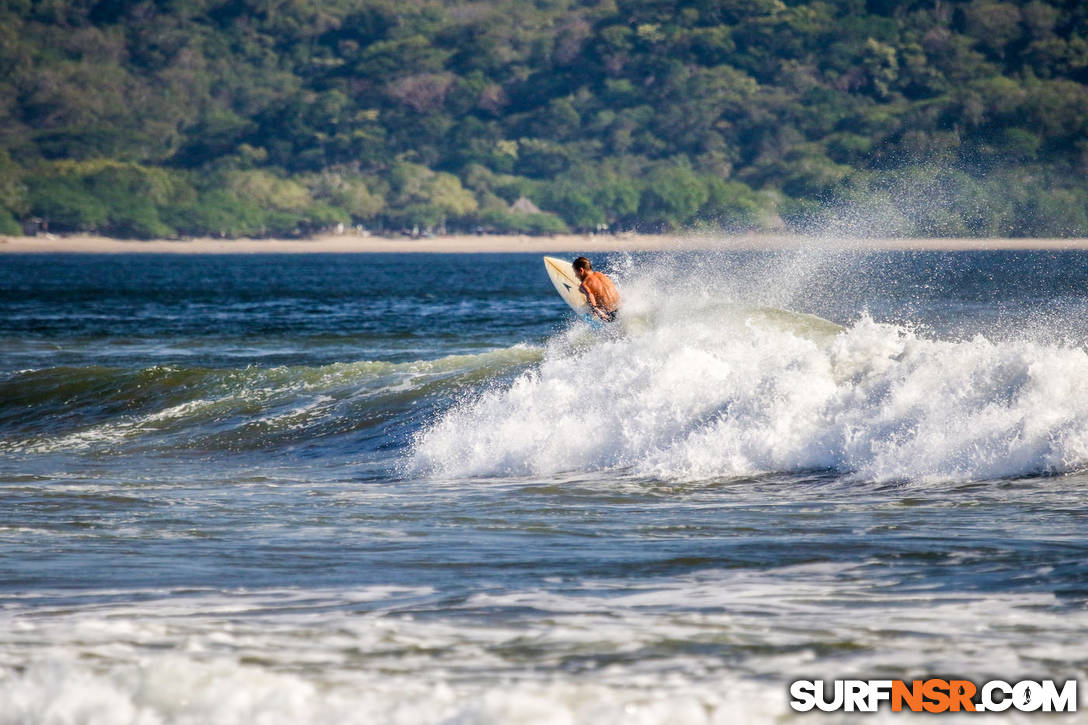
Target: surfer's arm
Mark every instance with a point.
(594, 305)
(592, 300)
(600, 313)
(589, 295)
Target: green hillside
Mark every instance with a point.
(143, 118)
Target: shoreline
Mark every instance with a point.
(484, 244)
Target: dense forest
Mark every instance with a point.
(158, 118)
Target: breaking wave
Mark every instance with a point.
(693, 388)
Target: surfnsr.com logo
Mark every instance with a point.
(933, 695)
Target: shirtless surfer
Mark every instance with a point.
(601, 294)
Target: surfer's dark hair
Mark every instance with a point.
(582, 263)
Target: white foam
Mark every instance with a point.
(702, 389)
(713, 647)
(172, 689)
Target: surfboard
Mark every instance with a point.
(566, 282)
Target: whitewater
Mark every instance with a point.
(694, 388)
(261, 488)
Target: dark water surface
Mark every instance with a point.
(411, 488)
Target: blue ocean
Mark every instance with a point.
(418, 489)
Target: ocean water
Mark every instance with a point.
(414, 489)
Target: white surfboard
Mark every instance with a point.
(566, 282)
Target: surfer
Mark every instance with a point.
(601, 294)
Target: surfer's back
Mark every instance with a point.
(601, 290)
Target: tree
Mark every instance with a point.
(995, 25)
(426, 199)
(350, 193)
(672, 196)
(732, 205)
(13, 195)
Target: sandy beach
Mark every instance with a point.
(467, 244)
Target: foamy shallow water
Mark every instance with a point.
(253, 490)
(707, 648)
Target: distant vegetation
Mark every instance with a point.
(155, 118)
